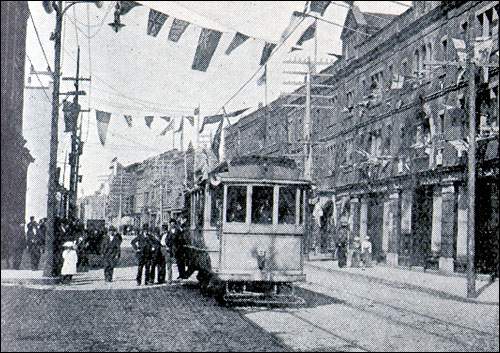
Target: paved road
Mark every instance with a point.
(175, 318)
(367, 316)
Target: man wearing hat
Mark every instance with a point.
(142, 248)
(110, 251)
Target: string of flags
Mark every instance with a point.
(209, 38)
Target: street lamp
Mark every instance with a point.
(60, 9)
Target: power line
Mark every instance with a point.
(40, 42)
(402, 4)
(39, 80)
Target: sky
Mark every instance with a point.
(133, 73)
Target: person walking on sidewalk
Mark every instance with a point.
(142, 248)
(34, 243)
(342, 246)
(110, 251)
(70, 258)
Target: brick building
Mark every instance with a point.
(389, 156)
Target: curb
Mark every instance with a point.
(403, 285)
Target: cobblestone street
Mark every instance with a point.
(175, 318)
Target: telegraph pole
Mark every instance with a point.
(307, 125)
(471, 163)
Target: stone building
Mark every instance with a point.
(15, 156)
(390, 155)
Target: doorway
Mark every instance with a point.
(421, 226)
(375, 225)
(487, 257)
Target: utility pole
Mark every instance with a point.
(307, 126)
(471, 163)
(120, 210)
(76, 142)
(50, 269)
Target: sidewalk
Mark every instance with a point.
(450, 287)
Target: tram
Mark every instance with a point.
(247, 230)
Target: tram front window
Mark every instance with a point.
(236, 203)
(262, 204)
(286, 205)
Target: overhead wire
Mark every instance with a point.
(40, 41)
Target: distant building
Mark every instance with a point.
(390, 154)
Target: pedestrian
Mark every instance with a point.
(157, 258)
(167, 249)
(342, 246)
(178, 247)
(356, 252)
(70, 259)
(82, 248)
(366, 252)
(34, 243)
(110, 251)
(142, 248)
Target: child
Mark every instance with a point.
(70, 259)
(366, 253)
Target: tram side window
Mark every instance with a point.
(236, 203)
(262, 204)
(301, 206)
(286, 205)
(217, 196)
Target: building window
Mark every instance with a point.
(489, 21)
(350, 100)
(286, 205)
(387, 141)
(404, 68)
(441, 122)
(262, 204)
(377, 81)
(236, 204)
(444, 48)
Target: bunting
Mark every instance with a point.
(166, 118)
(169, 127)
(102, 119)
(71, 111)
(155, 22)
(266, 52)
(482, 52)
(149, 120)
(319, 6)
(213, 119)
(263, 79)
(128, 119)
(190, 119)
(295, 48)
(238, 39)
(459, 45)
(196, 111)
(181, 126)
(126, 6)
(177, 29)
(308, 34)
(217, 140)
(207, 43)
(294, 21)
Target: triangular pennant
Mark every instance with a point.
(459, 45)
(238, 39)
(217, 140)
(294, 21)
(177, 29)
(149, 120)
(155, 22)
(169, 127)
(128, 119)
(263, 79)
(166, 118)
(126, 6)
(236, 113)
(196, 111)
(181, 126)
(266, 52)
(190, 119)
(319, 6)
(211, 120)
(336, 56)
(308, 34)
(294, 48)
(102, 119)
(207, 43)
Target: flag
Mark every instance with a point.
(266, 52)
(149, 120)
(166, 118)
(169, 127)
(336, 56)
(319, 6)
(263, 79)
(211, 120)
(294, 21)
(397, 82)
(308, 34)
(482, 50)
(190, 119)
(155, 22)
(126, 6)
(128, 119)
(102, 119)
(196, 111)
(71, 112)
(459, 45)
(207, 43)
(238, 39)
(181, 126)
(217, 140)
(177, 29)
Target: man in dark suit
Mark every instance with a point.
(34, 243)
(157, 258)
(110, 251)
(142, 248)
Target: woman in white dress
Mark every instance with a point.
(70, 259)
